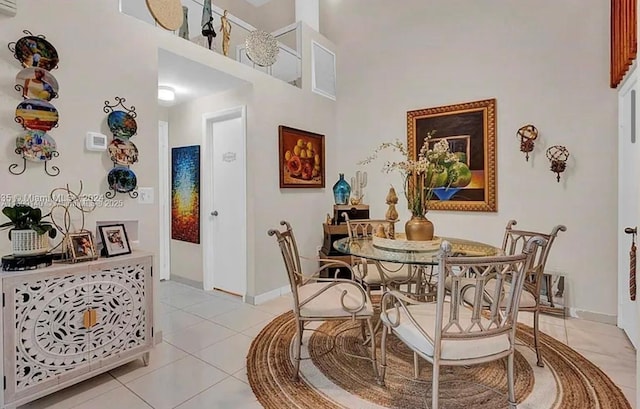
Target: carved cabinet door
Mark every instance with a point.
(121, 319)
(44, 333)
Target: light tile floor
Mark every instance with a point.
(201, 363)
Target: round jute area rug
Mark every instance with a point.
(336, 373)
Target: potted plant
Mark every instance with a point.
(27, 231)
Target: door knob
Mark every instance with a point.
(631, 230)
(214, 213)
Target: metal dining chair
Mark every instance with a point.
(373, 274)
(530, 301)
(450, 332)
(322, 299)
(513, 242)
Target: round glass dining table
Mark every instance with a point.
(363, 247)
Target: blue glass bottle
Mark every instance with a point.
(341, 191)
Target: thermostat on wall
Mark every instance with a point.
(96, 141)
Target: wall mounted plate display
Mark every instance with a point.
(122, 124)
(36, 145)
(35, 51)
(36, 114)
(36, 83)
(123, 152)
(122, 179)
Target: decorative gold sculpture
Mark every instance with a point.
(392, 213)
(225, 29)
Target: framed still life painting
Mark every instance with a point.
(301, 157)
(470, 131)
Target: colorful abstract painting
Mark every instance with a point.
(185, 194)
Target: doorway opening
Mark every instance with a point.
(225, 267)
(194, 258)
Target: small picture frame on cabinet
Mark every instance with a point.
(81, 247)
(114, 240)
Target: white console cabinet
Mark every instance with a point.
(68, 322)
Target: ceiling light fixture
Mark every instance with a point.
(166, 93)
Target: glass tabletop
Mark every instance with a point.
(363, 247)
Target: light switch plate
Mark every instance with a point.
(145, 195)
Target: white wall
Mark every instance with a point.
(546, 62)
(95, 65)
(119, 57)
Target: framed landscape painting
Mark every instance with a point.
(185, 194)
(301, 156)
(470, 131)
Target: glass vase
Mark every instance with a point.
(341, 191)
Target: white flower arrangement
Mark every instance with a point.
(420, 176)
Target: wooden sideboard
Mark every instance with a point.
(68, 322)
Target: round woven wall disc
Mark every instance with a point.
(262, 48)
(168, 13)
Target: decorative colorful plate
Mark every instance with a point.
(36, 145)
(122, 179)
(123, 152)
(34, 51)
(36, 114)
(37, 83)
(122, 124)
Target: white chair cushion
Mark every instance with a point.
(452, 349)
(527, 300)
(328, 304)
(373, 274)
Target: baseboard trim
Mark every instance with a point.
(594, 316)
(158, 338)
(191, 283)
(268, 296)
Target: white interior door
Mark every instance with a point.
(227, 210)
(164, 201)
(628, 203)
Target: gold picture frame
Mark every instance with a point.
(302, 158)
(470, 129)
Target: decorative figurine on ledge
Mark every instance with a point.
(207, 23)
(184, 28)
(225, 29)
(558, 156)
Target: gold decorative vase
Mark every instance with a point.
(419, 228)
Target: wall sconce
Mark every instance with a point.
(527, 135)
(558, 156)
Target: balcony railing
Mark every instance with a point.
(288, 66)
